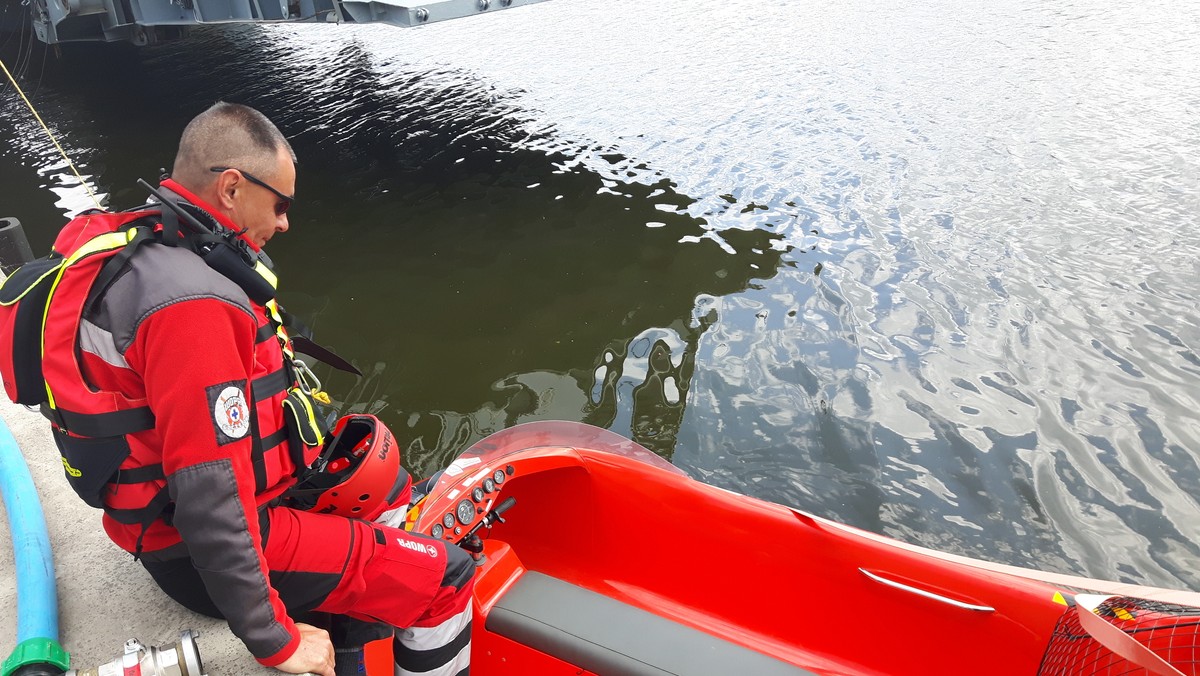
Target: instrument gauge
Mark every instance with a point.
(437, 531)
(498, 476)
(448, 520)
(489, 486)
(466, 512)
(477, 494)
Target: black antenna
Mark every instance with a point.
(191, 220)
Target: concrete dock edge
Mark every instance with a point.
(104, 596)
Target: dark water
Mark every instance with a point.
(930, 270)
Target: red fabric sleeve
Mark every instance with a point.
(190, 354)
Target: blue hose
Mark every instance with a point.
(37, 597)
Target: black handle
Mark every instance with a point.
(492, 516)
(504, 507)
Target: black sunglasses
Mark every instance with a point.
(285, 201)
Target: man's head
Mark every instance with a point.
(234, 158)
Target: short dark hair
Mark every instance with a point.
(227, 135)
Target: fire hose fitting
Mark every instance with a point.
(180, 659)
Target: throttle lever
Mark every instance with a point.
(491, 517)
(494, 515)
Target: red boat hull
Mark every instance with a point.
(645, 545)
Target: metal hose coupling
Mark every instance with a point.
(180, 659)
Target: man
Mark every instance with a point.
(199, 494)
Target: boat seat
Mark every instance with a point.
(605, 636)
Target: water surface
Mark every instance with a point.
(927, 269)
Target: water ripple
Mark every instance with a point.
(927, 269)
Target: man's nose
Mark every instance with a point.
(282, 224)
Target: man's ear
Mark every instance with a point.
(226, 187)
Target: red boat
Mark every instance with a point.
(596, 556)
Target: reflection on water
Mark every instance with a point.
(927, 270)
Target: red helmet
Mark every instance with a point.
(358, 474)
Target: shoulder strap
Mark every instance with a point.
(170, 229)
(114, 266)
(302, 341)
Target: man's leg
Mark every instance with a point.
(179, 579)
(380, 574)
(439, 644)
(349, 637)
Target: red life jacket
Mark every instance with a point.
(110, 448)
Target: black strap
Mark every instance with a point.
(272, 440)
(293, 324)
(265, 332)
(157, 506)
(170, 229)
(265, 387)
(295, 445)
(143, 516)
(303, 473)
(140, 475)
(302, 343)
(257, 450)
(149, 221)
(113, 268)
(111, 424)
(264, 522)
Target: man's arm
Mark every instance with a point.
(196, 358)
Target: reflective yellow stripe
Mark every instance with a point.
(285, 343)
(281, 334)
(266, 274)
(109, 240)
(99, 244)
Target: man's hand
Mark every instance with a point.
(315, 654)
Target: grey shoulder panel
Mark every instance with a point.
(159, 276)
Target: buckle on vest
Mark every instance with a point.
(308, 382)
(54, 416)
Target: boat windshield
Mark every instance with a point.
(547, 434)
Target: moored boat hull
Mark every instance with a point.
(613, 561)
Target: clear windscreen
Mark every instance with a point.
(547, 434)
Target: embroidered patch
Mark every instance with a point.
(230, 411)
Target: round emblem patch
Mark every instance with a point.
(231, 413)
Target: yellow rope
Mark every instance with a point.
(52, 139)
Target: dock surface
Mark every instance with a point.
(104, 596)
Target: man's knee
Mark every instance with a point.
(460, 568)
(454, 595)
